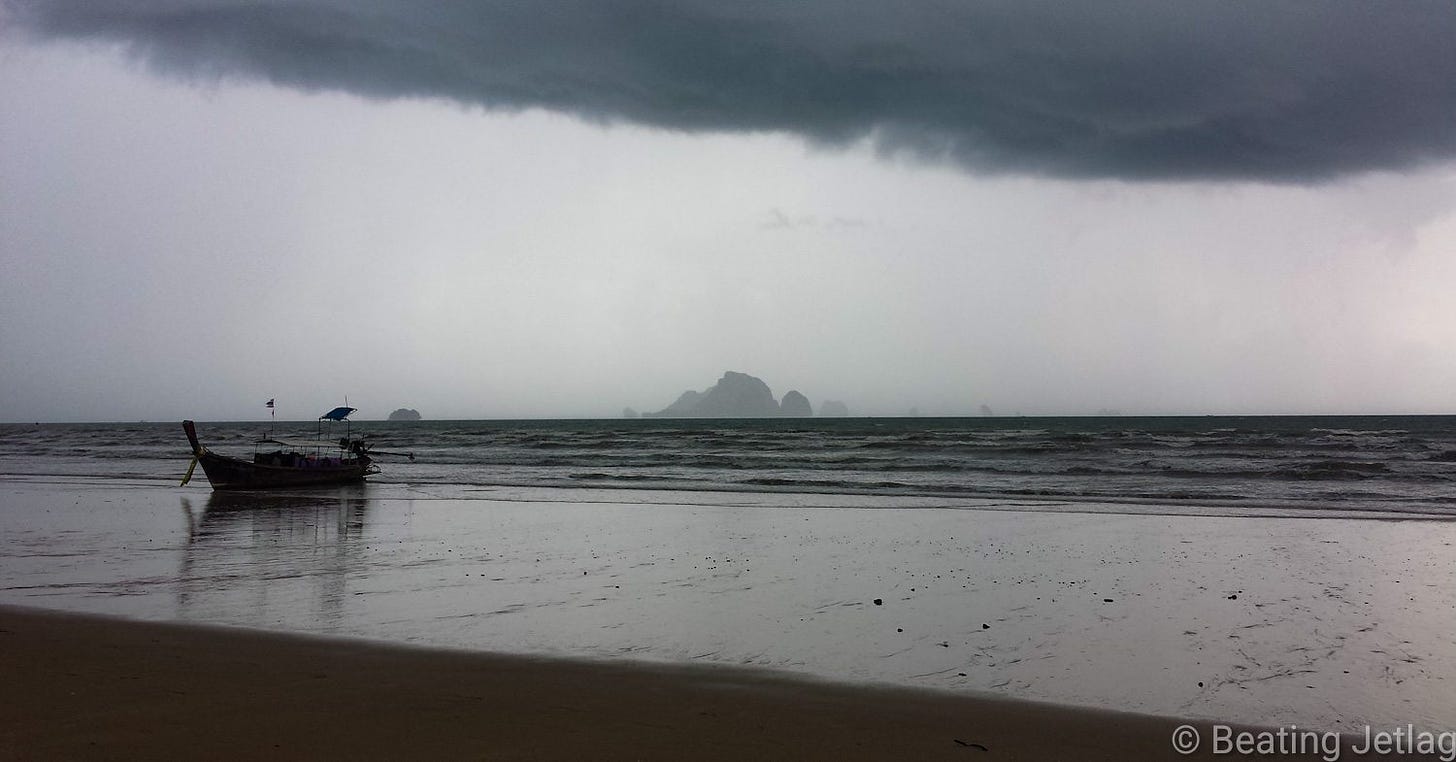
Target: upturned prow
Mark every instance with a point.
(191, 430)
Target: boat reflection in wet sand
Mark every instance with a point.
(285, 463)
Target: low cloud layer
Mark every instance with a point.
(1140, 89)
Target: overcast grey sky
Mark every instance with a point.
(564, 208)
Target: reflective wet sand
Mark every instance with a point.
(1321, 622)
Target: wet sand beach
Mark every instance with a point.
(1322, 623)
(84, 687)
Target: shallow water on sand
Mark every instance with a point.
(1328, 623)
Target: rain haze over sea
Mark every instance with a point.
(556, 209)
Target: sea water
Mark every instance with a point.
(1263, 570)
(1332, 465)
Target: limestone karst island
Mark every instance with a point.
(739, 395)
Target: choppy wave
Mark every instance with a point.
(1333, 463)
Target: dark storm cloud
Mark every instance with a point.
(1135, 89)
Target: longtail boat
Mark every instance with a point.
(285, 463)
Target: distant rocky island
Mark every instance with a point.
(405, 414)
(739, 395)
(795, 405)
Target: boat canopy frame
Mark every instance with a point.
(336, 415)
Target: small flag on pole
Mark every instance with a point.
(269, 404)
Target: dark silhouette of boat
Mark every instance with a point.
(287, 463)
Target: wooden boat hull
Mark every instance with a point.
(227, 473)
(233, 473)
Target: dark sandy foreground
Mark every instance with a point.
(86, 687)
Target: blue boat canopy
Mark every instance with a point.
(337, 414)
